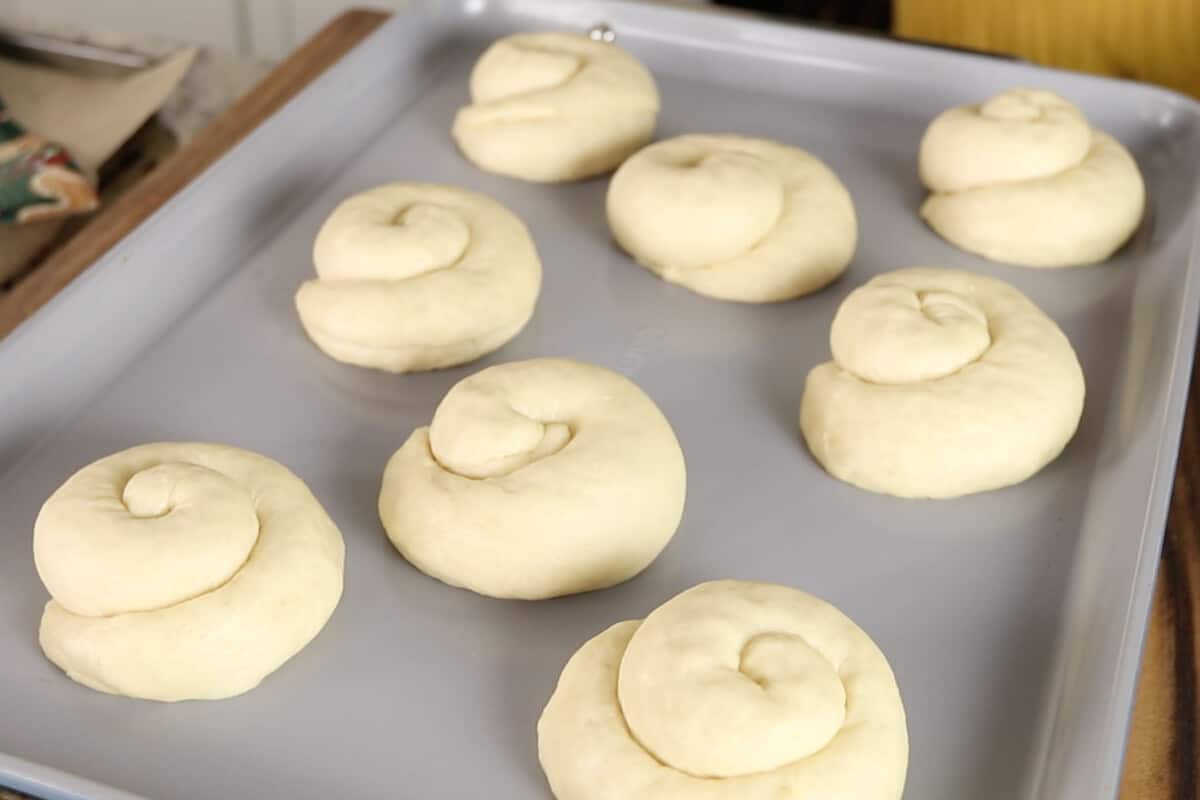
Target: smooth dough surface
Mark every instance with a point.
(552, 107)
(732, 690)
(419, 276)
(733, 218)
(942, 383)
(536, 479)
(183, 571)
(1024, 179)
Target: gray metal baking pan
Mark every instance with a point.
(1013, 619)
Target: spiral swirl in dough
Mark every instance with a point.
(733, 218)
(942, 383)
(732, 690)
(1024, 179)
(553, 107)
(419, 276)
(536, 479)
(183, 571)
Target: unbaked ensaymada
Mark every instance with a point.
(732, 690)
(419, 276)
(1023, 178)
(553, 107)
(732, 217)
(536, 479)
(183, 571)
(942, 383)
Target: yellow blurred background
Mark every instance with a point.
(1147, 40)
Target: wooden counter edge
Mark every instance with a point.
(1162, 758)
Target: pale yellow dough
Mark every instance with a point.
(183, 571)
(419, 276)
(555, 107)
(732, 690)
(1024, 179)
(733, 218)
(536, 479)
(942, 383)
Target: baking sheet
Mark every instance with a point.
(1013, 619)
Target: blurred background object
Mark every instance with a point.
(1157, 41)
(118, 104)
(39, 179)
(867, 14)
(92, 115)
(1150, 40)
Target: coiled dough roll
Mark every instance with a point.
(942, 383)
(183, 571)
(555, 107)
(733, 218)
(419, 276)
(732, 690)
(536, 479)
(1024, 179)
